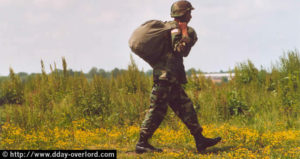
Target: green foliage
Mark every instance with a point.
(254, 96)
(290, 63)
(246, 73)
(288, 85)
(236, 104)
(12, 90)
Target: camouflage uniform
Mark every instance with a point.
(168, 75)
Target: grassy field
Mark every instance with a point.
(238, 142)
(256, 113)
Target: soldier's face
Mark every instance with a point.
(188, 17)
(185, 18)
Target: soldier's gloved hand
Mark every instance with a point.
(182, 46)
(185, 39)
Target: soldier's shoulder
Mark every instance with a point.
(192, 34)
(191, 30)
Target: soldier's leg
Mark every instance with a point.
(183, 108)
(154, 117)
(158, 108)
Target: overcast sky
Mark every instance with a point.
(95, 33)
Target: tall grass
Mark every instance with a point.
(254, 97)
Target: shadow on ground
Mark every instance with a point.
(214, 150)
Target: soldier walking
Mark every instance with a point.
(169, 75)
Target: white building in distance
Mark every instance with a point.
(217, 77)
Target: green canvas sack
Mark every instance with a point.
(149, 40)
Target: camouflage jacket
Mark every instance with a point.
(170, 66)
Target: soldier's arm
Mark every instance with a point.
(183, 44)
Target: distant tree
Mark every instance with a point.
(22, 74)
(190, 71)
(225, 79)
(92, 72)
(2, 78)
(102, 73)
(71, 72)
(115, 72)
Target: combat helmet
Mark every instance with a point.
(180, 7)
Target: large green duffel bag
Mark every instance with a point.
(149, 40)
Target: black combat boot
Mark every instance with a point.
(143, 146)
(202, 142)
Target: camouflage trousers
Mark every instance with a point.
(164, 94)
